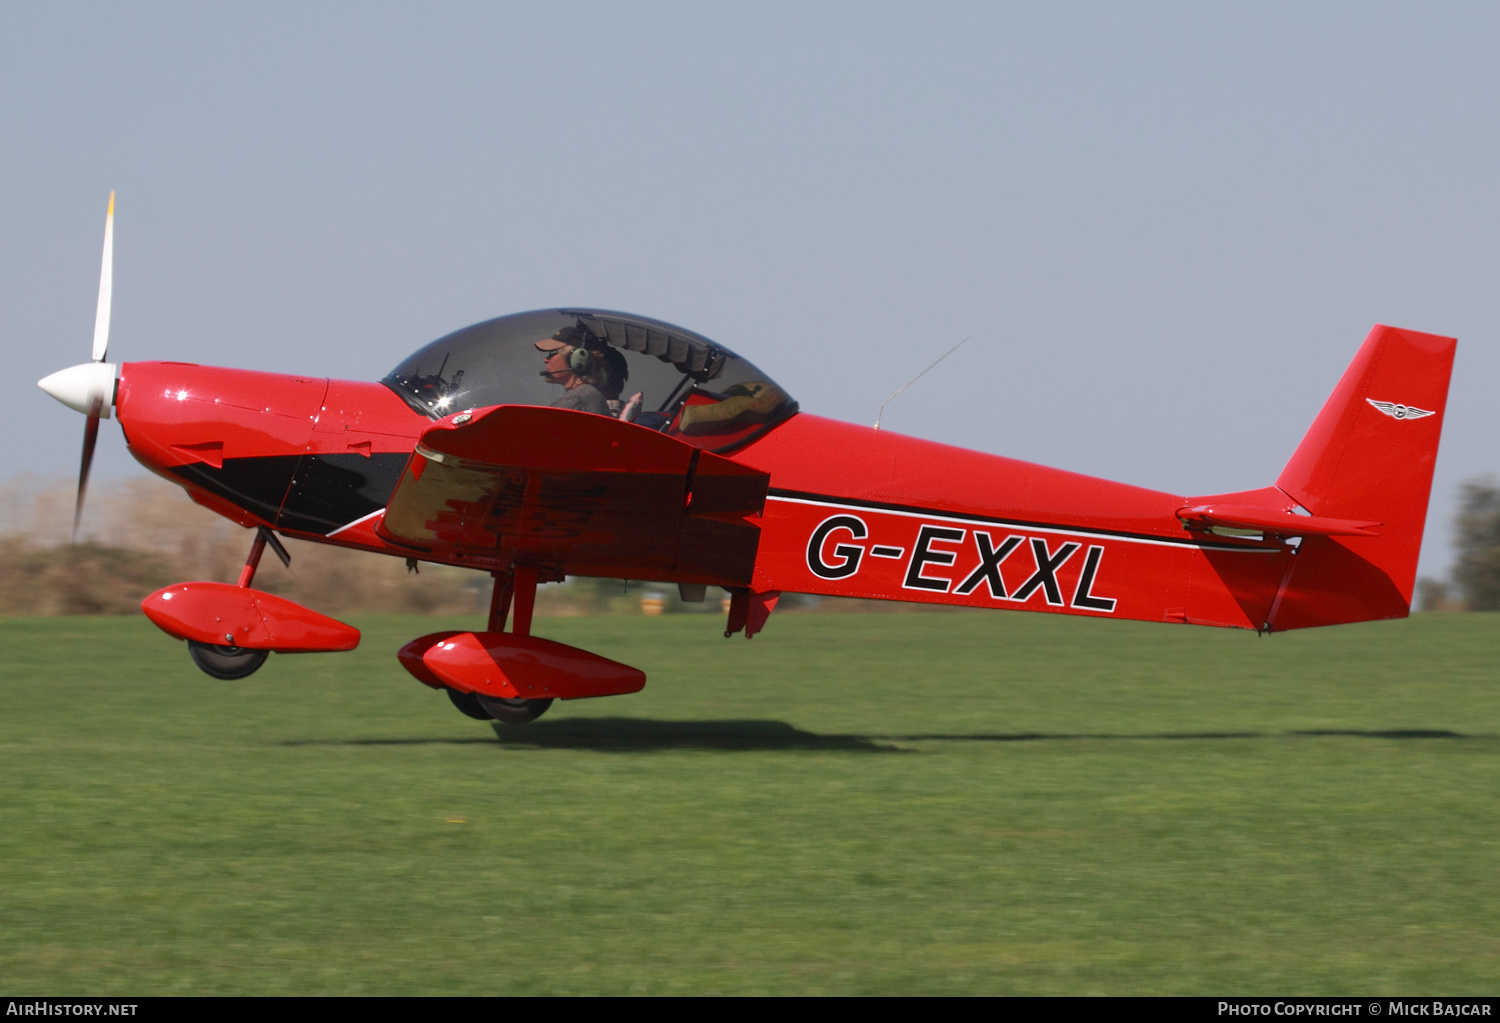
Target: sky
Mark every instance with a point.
(1164, 228)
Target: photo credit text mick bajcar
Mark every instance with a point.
(1380, 1007)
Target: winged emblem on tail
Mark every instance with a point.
(1399, 411)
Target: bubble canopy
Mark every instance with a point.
(687, 385)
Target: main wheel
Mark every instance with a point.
(226, 662)
(468, 703)
(513, 712)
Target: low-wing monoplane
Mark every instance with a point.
(592, 443)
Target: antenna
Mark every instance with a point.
(881, 414)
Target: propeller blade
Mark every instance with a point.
(90, 438)
(106, 286)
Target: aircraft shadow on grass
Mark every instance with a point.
(646, 735)
(642, 735)
(1359, 733)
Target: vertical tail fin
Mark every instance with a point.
(1369, 456)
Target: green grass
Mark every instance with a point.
(903, 803)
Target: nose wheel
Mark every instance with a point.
(226, 662)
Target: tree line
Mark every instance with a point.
(1473, 583)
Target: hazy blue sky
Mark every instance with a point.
(1166, 227)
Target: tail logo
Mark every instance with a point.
(1396, 411)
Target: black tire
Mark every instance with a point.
(468, 703)
(226, 662)
(513, 712)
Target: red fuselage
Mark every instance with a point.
(852, 511)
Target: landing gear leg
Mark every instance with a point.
(500, 596)
(519, 585)
(263, 536)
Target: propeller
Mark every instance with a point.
(101, 348)
(106, 285)
(89, 387)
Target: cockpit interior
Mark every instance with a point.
(651, 373)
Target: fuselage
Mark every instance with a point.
(851, 511)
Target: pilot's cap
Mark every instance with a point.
(568, 337)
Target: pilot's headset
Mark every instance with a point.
(581, 360)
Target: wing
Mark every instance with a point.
(579, 493)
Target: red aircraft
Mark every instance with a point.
(591, 443)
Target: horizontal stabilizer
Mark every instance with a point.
(1268, 520)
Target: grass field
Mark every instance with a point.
(885, 803)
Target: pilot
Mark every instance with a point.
(573, 363)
